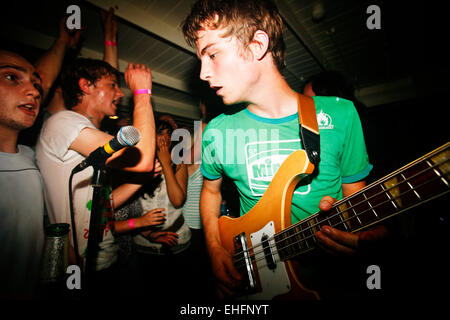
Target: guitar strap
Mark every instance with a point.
(309, 129)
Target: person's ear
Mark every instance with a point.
(85, 85)
(259, 45)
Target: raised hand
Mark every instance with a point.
(162, 148)
(69, 37)
(109, 24)
(138, 76)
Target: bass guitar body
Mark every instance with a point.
(250, 239)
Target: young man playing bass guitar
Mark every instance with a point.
(241, 49)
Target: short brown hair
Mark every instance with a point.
(241, 18)
(89, 69)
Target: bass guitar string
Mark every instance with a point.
(311, 226)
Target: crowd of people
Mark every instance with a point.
(155, 243)
(142, 217)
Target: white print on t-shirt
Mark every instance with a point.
(324, 120)
(263, 158)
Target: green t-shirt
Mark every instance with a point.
(249, 149)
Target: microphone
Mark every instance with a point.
(127, 136)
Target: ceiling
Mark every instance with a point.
(381, 63)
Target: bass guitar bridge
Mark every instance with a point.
(259, 260)
(243, 261)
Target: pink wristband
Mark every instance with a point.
(131, 223)
(141, 91)
(111, 43)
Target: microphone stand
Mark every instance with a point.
(95, 224)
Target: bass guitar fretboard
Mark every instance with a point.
(416, 183)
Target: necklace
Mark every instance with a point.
(91, 118)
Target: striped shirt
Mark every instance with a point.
(191, 208)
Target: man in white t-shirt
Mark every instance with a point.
(21, 189)
(91, 92)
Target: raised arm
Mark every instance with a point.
(176, 182)
(49, 64)
(110, 53)
(141, 158)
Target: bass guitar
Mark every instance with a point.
(263, 242)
